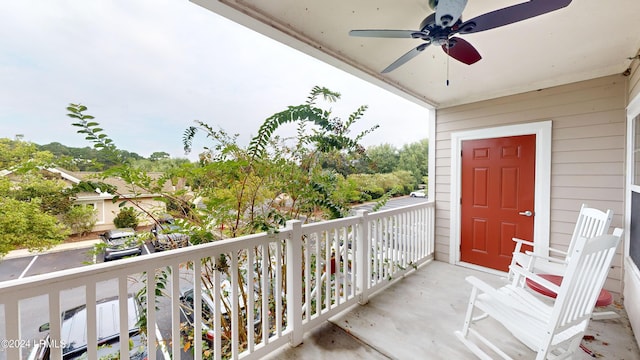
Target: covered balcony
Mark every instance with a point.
(366, 286)
(391, 284)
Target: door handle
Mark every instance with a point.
(526, 213)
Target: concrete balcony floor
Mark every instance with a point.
(415, 319)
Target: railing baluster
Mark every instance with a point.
(235, 305)
(277, 288)
(250, 265)
(318, 279)
(175, 309)
(92, 326)
(217, 322)
(123, 312)
(266, 319)
(55, 323)
(12, 326)
(197, 307)
(151, 313)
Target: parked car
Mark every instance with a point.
(120, 243)
(186, 308)
(74, 327)
(418, 193)
(167, 235)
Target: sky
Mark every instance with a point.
(146, 69)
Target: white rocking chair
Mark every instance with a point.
(553, 329)
(591, 222)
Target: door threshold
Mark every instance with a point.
(502, 274)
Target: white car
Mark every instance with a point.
(418, 193)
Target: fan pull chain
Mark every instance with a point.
(448, 57)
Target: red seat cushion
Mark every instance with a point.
(604, 299)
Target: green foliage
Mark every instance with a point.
(21, 156)
(86, 158)
(52, 195)
(413, 158)
(126, 218)
(158, 155)
(30, 198)
(242, 189)
(90, 129)
(107, 150)
(368, 187)
(235, 190)
(24, 225)
(158, 165)
(91, 186)
(80, 219)
(383, 158)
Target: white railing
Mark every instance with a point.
(300, 276)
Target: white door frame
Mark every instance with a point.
(541, 221)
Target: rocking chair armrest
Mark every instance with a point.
(480, 285)
(558, 251)
(549, 258)
(535, 278)
(522, 242)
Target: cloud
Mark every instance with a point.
(147, 69)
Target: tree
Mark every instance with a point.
(158, 155)
(383, 158)
(21, 156)
(52, 193)
(242, 185)
(28, 200)
(24, 225)
(414, 158)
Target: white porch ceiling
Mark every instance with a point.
(587, 39)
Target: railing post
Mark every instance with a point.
(362, 257)
(294, 281)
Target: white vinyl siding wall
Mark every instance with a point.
(588, 152)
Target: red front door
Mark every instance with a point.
(498, 178)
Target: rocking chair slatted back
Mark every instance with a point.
(584, 278)
(591, 222)
(552, 328)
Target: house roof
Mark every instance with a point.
(122, 186)
(585, 40)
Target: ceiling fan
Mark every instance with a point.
(440, 27)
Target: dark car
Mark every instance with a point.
(74, 326)
(167, 235)
(120, 243)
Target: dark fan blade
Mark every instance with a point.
(511, 14)
(449, 11)
(462, 51)
(410, 34)
(406, 57)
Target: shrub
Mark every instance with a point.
(126, 218)
(80, 219)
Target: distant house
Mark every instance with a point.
(102, 199)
